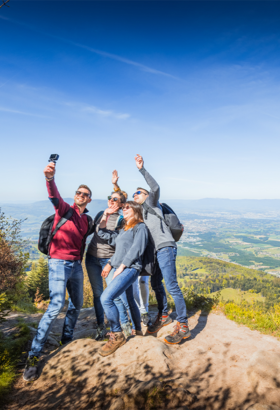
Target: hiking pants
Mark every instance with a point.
(166, 258)
(122, 283)
(62, 275)
(94, 268)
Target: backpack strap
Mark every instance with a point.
(119, 222)
(61, 222)
(149, 209)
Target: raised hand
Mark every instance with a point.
(49, 171)
(139, 161)
(115, 177)
(111, 210)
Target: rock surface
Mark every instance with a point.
(222, 367)
(264, 369)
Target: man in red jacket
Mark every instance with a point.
(65, 269)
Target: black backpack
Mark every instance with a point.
(149, 256)
(169, 218)
(46, 235)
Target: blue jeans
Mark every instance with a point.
(94, 268)
(122, 283)
(62, 275)
(166, 258)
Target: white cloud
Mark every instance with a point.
(107, 113)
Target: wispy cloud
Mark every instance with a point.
(107, 113)
(99, 52)
(11, 111)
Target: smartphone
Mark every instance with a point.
(53, 158)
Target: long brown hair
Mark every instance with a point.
(138, 217)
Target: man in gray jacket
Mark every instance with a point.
(166, 251)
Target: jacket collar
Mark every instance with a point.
(77, 209)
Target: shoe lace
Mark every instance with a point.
(176, 330)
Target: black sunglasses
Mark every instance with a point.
(82, 194)
(115, 199)
(138, 193)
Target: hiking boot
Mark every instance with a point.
(126, 329)
(116, 340)
(101, 332)
(181, 331)
(136, 332)
(31, 369)
(146, 320)
(160, 321)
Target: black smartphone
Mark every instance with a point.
(53, 158)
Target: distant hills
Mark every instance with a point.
(38, 211)
(230, 205)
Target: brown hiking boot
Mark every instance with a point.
(116, 340)
(181, 331)
(159, 323)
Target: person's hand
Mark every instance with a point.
(139, 161)
(119, 270)
(115, 177)
(112, 209)
(107, 269)
(49, 171)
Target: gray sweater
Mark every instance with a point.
(129, 248)
(159, 231)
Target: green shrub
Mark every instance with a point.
(10, 352)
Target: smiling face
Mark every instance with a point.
(114, 200)
(82, 197)
(128, 213)
(140, 196)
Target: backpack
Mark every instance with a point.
(169, 218)
(149, 256)
(46, 235)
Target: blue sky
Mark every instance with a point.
(192, 86)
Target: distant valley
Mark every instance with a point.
(245, 232)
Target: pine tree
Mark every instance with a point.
(38, 278)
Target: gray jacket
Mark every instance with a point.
(129, 248)
(159, 231)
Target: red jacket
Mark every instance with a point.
(67, 242)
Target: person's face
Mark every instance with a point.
(114, 200)
(128, 212)
(140, 196)
(82, 197)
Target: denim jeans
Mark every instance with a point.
(94, 268)
(141, 293)
(166, 270)
(122, 283)
(62, 275)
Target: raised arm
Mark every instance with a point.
(155, 190)
(59, 204)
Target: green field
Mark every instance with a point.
(239, 296)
